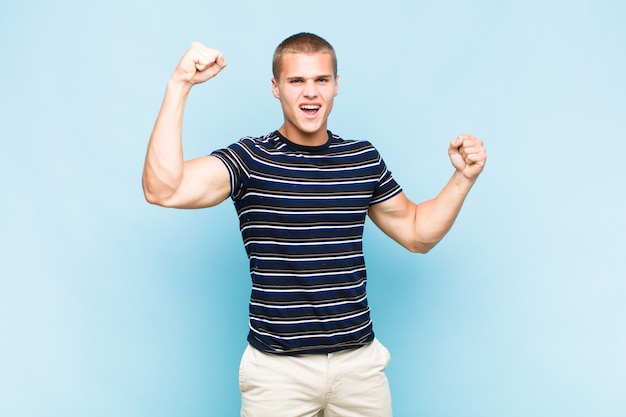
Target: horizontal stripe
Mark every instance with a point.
(308, 275)
(316, 335)
(307, 305)
(301, 215)
(307, 212)
(309, 196)
(327, 320)
(332, 182)
(305, 290)
(301, 243)
(304, 259)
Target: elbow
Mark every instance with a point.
(159, 185)
(422, 249)
(158, 200)
(153, 197)
(147, 193)
(419, 246)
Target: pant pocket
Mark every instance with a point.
(383, 353)
(243, 368)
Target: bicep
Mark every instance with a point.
(395, 217)
(205, 183)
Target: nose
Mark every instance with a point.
(310, 89)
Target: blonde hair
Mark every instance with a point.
(302, 43)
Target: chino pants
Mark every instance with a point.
(349, 383)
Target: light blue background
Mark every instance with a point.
(112, 307)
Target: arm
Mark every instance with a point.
(167, 179)
(419, 227)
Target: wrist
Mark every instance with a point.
(462, 181)
(178, 86)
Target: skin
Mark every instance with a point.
(419, 227)
(168, 180)
(306, 89)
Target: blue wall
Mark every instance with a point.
(112, 307)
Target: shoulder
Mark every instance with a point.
(339, 140)
(338, 143)
(269, 140)
(252, 145)
(260, 144)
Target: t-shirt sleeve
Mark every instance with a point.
(387, 186)
(234, 157)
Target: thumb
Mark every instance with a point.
(220, 62)
(202, 64)
(217, 64)
(456, 143)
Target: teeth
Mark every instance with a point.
(309, 107)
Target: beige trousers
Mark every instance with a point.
(349, 383)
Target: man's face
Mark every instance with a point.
(306, 88)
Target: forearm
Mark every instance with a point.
(419, 227)
(163, 167)
(434, 218)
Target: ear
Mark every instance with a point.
(336, 85)
(275, 89)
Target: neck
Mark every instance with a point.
(317, 138)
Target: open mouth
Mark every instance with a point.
(310, 109)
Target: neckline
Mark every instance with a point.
(305, 148)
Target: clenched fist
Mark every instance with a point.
(467, 155)
(199, 64)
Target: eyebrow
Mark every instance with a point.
(317, 77)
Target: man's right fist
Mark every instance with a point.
(199, 64)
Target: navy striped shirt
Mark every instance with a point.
(301, 211)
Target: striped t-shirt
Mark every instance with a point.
(301, 211)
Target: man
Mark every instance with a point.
(302, 194)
